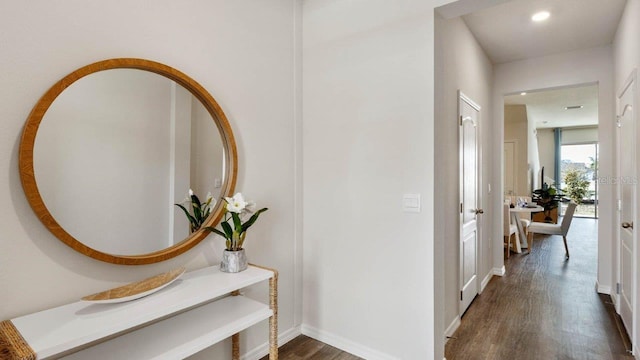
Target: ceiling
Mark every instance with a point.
(547, 108)
(506, 31)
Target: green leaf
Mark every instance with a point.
(197, 208)
(237, 223)
(253, 219)
(197, 214)
(189, 217)
(195, 200)
(227, 229)
(210, 228)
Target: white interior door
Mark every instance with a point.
(627, 204)
(469, 116)
(509, 167)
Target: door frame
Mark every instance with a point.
(634, 333)
(479, 197)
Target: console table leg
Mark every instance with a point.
(235, 346)
(235, 338)
(273, 320)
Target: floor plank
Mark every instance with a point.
(306, 348)
(546, 307)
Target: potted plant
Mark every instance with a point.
(548, 197)
(234, 230)
(198, 211)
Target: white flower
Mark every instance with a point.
(190, 193)
(236, 204)
(248, 210)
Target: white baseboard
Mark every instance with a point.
(262, 350)
(485, 281)
(500, 271)
(345, 344)
(603, 289)
(452, 328)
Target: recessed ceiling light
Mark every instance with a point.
(523, 93)
(540, 16)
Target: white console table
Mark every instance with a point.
(187, 316)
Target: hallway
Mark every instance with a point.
(544, 308)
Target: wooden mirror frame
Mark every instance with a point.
(29, 184)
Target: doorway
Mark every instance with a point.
(516, 76)
(556, 136)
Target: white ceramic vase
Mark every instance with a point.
(233, 261)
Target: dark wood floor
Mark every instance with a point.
(544, 308)
(306, 348)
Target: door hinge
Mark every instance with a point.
(461, 120)
(460, 295)
(461, 208)
(617, 288)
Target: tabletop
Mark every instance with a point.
(527, 209)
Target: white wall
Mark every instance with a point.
(626, 45)
(368, 139)
(626, 54)
(516, 127)
(546, 150)
(571, 68)
(243, 52)
(533, 156)
(461, 64)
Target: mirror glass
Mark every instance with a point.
(114, 147)
(114, 153)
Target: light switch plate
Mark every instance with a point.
(411, 203)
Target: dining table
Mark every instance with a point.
(515, 218)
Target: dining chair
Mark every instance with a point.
(509, 229)
(553, 229)
(525, 218)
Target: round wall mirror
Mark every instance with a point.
(110, 149)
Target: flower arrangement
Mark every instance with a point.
(201, 210)
(234, 230)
